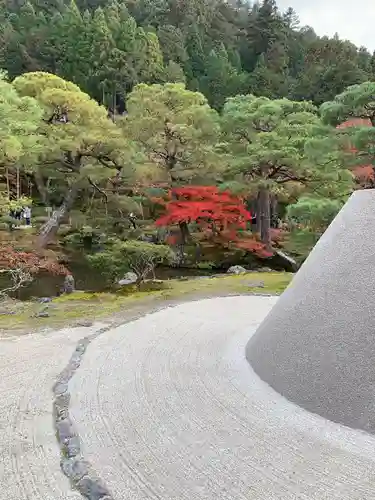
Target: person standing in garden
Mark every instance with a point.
(27, 215)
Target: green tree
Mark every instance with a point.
(149, 57)
(149, 12)
(23, 35)
(308, 218)
(173, 73)
(124, 56)
(176, 127)
(102, 48)
(195, 49)
(19, 141)
(138, 257)
(78, 139)
(270, 77)
(20, 119)
(280, 147)
(265, 27)
(330, 65)
(108, 47)
(178, 131)
(172, 43)
(135, 56)
(221, 79)
(371, 66)
(356, 102)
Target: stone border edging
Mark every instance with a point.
(72, 463)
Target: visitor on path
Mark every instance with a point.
(27, 215)
(132, 219)
(18, 213)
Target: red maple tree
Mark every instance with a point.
(220, 215)
(364, 174)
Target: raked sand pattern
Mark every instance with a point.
(168, 408)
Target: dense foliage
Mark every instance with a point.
(140, 257)
(147, 132)
(217, 47)
(221, 217)
(19, 268)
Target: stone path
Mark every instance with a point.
(168, 408)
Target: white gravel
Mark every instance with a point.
(168, 408)
(29, 455)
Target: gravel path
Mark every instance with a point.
(168, 408)
(29, 455)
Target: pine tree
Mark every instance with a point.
(76, 137)
(174, 73)
(271, 75)
(172, 44)
(102, 73)
(265, 27)
(196, 65)
(149, 57)
(280, 145)
(176, 128)
(221, 80)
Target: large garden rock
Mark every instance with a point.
(45, 300)
(236, 270)
(129, 279)
(69, 284)
(42, 314)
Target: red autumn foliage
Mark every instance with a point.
(29, 262)
(221, 216)
(206, 205)
(363, 173)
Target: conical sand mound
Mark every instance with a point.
(317, 345)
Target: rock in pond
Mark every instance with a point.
(129, 279)
(236, 270)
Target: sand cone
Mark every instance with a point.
(317, 345)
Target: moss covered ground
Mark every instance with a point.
(21, 317)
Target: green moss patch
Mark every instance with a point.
(20, 317)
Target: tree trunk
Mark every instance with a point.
(185, 233)
(49, 229)
(43, 191)
(8, 185)
(264, 216)
(274, 212)
(18, 182)
(258, 218)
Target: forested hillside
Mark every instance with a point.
(195, 133)
(217, 47)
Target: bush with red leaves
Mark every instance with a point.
(364, 174)
(20, 267)
(220, 215)
(29, 262)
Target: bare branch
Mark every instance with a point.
(95, 186)
(290, 178)
(243, 135)
(19, 278)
